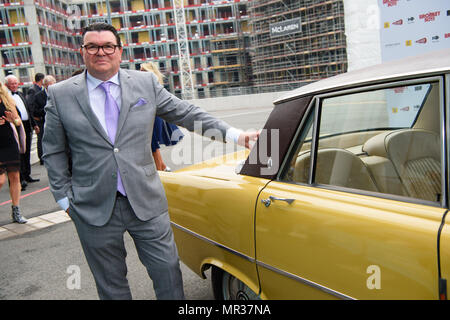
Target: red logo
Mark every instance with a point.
(390, 3)
(423, 40)
(398, 22)
(430, 16)
(399, 89)
(447, 35)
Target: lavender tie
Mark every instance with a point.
(112, 119)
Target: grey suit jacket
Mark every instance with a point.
(70, 122)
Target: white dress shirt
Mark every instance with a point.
(21, 106)
(97, 96)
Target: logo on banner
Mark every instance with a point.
(398, 22)
(408, 43)
(390, 3)
(285, 27)
(423, 40)
(435, 38)
(411, 20)
(447, 35)
(430, 16)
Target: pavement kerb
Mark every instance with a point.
(33, 224)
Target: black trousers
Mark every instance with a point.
(40, 124)
(25, 167)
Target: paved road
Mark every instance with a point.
(43, 264)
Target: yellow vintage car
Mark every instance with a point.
(344, 196)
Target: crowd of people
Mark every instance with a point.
(20, 116)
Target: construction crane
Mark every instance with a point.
(187, 85)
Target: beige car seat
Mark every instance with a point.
(336, 167)
(415, 155)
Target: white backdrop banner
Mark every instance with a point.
(412, 27)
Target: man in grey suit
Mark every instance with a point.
(105, 117)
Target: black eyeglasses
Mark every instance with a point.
(108, 49)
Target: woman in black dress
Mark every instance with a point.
(9, 150)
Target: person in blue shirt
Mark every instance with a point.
(163, 132)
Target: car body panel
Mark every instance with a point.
(338, 236)
(213, 212)
(199, 254)
(444, 253)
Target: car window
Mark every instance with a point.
(304, 140)
(384, 141)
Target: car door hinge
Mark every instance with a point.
(442, 289)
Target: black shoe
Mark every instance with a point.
(24, 185)
(30, 179)
(17, 216)
(41, 162)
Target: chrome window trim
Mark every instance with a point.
(262, 264)
(317, 100)
(306, 281)
(217, 244)
(443, 134)
(309, 109)
(314, 141)
(446, 126)
(384, 85)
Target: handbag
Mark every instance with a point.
(20, 137)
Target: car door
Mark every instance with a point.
(355, 209)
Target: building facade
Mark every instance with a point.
(34, 38)
(231, 49)
(44, 36)
(316, 49)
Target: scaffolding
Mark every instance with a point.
(187, 85)
(148, 32)
(229, 46)
(43, 45)
(317, 51)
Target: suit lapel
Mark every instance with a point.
(82, 95)
(128, 94)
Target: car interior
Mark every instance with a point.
(397, 161)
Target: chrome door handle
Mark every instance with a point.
(267, 202)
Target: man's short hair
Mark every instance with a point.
(10, 76)
(39, 76)
(102, 26)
